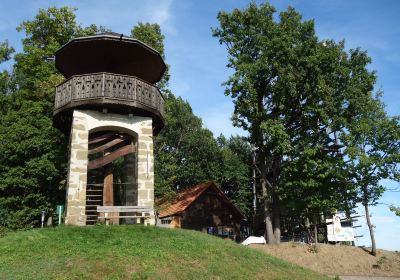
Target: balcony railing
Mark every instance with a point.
(109, 89)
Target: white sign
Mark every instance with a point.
(338, 233)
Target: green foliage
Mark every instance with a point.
(395, 210)
(33, 154)
(5, 51)
(235, 171)
(187, 154)
(300, 98)
(150, 34)
(137, 252)
(373, 146)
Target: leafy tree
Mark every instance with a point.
(235, 171)
(33, 153)
(373, 146)
(185, 152)
(150, 34)
(297, 97)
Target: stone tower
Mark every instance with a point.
(111, 109)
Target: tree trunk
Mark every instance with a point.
(315, 231)
(370, 226)
(269, 233)
(276, 219)
(371, 230)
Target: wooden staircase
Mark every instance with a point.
(94, 198)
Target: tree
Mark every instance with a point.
(296, 96)
(373, 147)
(33, 154)
(150, 34)
(235, 171)
(185, 152)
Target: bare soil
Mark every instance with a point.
(337, 259)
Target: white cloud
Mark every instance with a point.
(121, 16)
(160, 12)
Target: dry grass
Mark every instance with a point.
(337, 260)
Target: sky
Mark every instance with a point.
(198, 62)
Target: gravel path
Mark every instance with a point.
(368, 278)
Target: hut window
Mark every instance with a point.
(166, 221)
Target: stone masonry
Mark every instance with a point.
(87, 121)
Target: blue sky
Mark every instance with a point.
(198, 61)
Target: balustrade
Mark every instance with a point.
(111, 88)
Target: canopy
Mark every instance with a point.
(110, 52)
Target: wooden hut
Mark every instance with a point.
(204, 208)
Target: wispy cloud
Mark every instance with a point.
(120, 16)
(160, 12)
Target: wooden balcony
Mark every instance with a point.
(118, 93)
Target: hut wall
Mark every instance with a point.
(209, 210)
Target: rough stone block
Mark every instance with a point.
(79, 126)
(82, 154)
(147, 131)
(142, 195)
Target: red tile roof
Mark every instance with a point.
(188, 196)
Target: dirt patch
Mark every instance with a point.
(337, 260)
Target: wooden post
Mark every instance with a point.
(108, 190)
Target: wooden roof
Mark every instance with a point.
(110, 52)
(188, 196)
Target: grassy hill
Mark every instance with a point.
(135, 252)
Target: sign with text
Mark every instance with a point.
(338, 233)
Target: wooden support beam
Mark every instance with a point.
(108, 189)
(101, 138)
(105, 146)
(100, 162)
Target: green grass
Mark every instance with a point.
(135, 252)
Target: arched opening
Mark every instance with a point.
(111, 172)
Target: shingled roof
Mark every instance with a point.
(188, 196)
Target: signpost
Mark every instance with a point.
(60, 211)
(336, 232)
(42, 218)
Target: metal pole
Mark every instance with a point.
(254, 183)
(254, 192)
(43, 216)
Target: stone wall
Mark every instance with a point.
(88, 121)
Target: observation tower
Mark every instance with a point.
(111, 108)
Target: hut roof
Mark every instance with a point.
(190, 195)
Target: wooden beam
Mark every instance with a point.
(108, 192)
(108, 189)
(105, 146)
(101, 138)
(125, 150)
